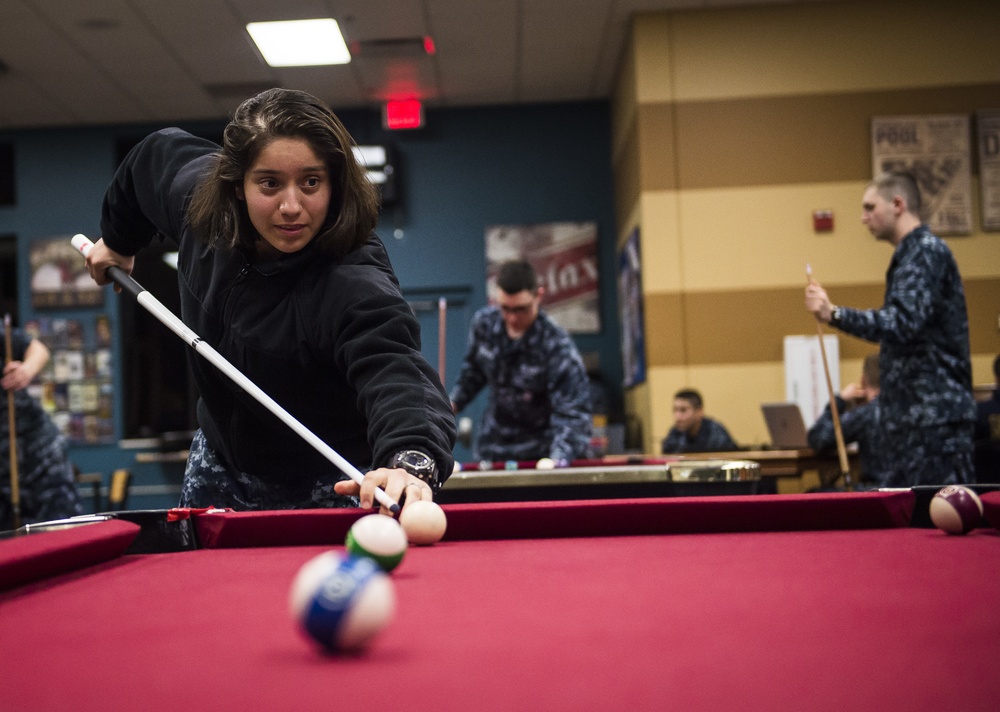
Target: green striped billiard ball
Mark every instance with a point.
(378, 537)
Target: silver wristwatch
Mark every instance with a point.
(417, 464)
(835, 315)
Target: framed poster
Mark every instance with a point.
(75, 387)
(936, 151)
(564, 254)
(59, 276)
(630, 304)
(988, 129)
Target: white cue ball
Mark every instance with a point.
(424, 522)
(546, 463)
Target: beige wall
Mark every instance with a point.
(731, 127)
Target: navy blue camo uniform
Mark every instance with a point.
(864, 425)
(539, 404)
(712, 437)
(46, 484)
(926, 375)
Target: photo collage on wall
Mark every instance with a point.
(75, 386)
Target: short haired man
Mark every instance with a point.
(693, 431)
(539, 403)
(923, 332)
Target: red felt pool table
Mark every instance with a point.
(766, 602)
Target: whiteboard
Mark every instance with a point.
(805, 381)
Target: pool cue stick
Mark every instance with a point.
(154, 307)
(15, 485)
(845, 468)
(442, 326)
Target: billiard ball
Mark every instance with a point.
(546, 463)
(510, 465)
(341, 601)
(379, 537)
(956, 509)
(424, 522)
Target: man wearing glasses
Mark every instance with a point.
(539, 403)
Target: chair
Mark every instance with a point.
(118, 490)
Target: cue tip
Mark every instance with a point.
(394, 508)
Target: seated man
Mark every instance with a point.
(987, 433)
(539, 405)
(860, 422)
(693, 431)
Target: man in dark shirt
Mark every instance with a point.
(693, 431)
(923, 332)
(861, 422)
(539, 404)
(987, 433)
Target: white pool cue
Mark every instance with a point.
(154, 307)
(442, 326)
(845, 468)
(15, 485)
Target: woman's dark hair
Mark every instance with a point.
(220, 219)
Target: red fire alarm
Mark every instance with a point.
(405, 114)
(822, 220)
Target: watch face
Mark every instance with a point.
(415, 460)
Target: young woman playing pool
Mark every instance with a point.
(281, 272)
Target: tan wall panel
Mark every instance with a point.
(830, 47)
(666, 342)
(656, 147)
(763, 236)
(749, 326)
(651, 36)
(798, 139)
(982, 369)
(982, 298)
(626, 174)
(662, 260)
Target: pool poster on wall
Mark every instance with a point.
(937, 152)
(59, 277)
(564, 255)
(630, 304)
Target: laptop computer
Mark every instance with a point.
(785, 426)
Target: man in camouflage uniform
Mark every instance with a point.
(693, 431)
(45, 476)
(860, 421)
(539, 402)
(923, 332)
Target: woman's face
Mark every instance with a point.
(287, 192)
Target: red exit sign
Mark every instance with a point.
(405, 114)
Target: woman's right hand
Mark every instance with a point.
(101, 257)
